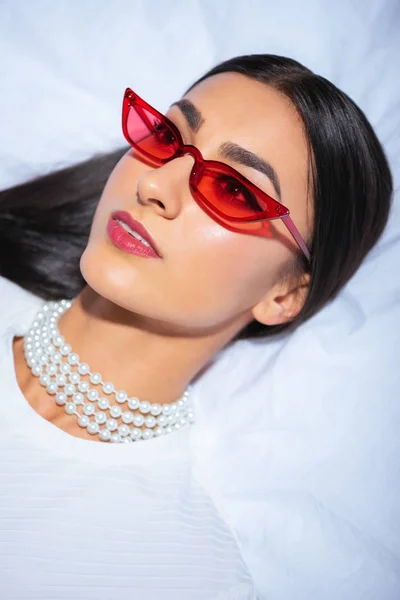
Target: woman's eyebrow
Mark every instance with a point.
(191, 114)
(230, 150)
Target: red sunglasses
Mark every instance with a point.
(221, 191)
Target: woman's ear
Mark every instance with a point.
(283, 302)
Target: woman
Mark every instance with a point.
(183, 258)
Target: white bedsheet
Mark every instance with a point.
(302, 453)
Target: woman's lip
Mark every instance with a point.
(126, 242)
(125, 217)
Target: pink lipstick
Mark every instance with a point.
(129, 235)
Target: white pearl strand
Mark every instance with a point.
(50, 358)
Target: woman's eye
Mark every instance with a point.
(230, 187)
(163, 133)
(233, 191)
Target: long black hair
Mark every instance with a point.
(45, 223)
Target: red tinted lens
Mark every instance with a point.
(151, 134)
(229, 195)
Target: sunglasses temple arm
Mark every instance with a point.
(296, 235)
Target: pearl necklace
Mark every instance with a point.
(67, 379)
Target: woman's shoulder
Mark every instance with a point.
(16, 303)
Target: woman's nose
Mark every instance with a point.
(166, 188)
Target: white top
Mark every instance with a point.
(88, 520)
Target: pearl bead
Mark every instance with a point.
(180, 403)
(112, 424)
(158, 431)
(93, 428)
(74, 378)
(61, 398)
(73, 358)
(144, 407)
(92, 395)
(127, 417)
(70, 408)
(100, 418)
(69, 389)
(121, 396)
(104, 435)
(147, 434)
(136, 434)
(65, 368)
(37, 370)
(61, 380)
(65, 349)
(123, 430)
(44, 380)
(115, 438)
(162, 420)
(173, 407)
(108, 387)
(115, 411)
(95, 378)
(88, 409)
(83, 369)
(51, 369)
(83, 386)
(78, 398)
(52, 389)
(155, 410)
(56, 358)
(103, 403)
(133, 403)
(83, 421)
(150, 421)
(138, 420)
(166, 409)
(127, 440)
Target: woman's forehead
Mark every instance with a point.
(231, 96)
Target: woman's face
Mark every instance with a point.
(208, 275)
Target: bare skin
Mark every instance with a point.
(151, 326)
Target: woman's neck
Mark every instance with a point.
(139, 356)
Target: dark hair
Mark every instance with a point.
(45, 223)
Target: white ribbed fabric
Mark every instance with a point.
(84, 520)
